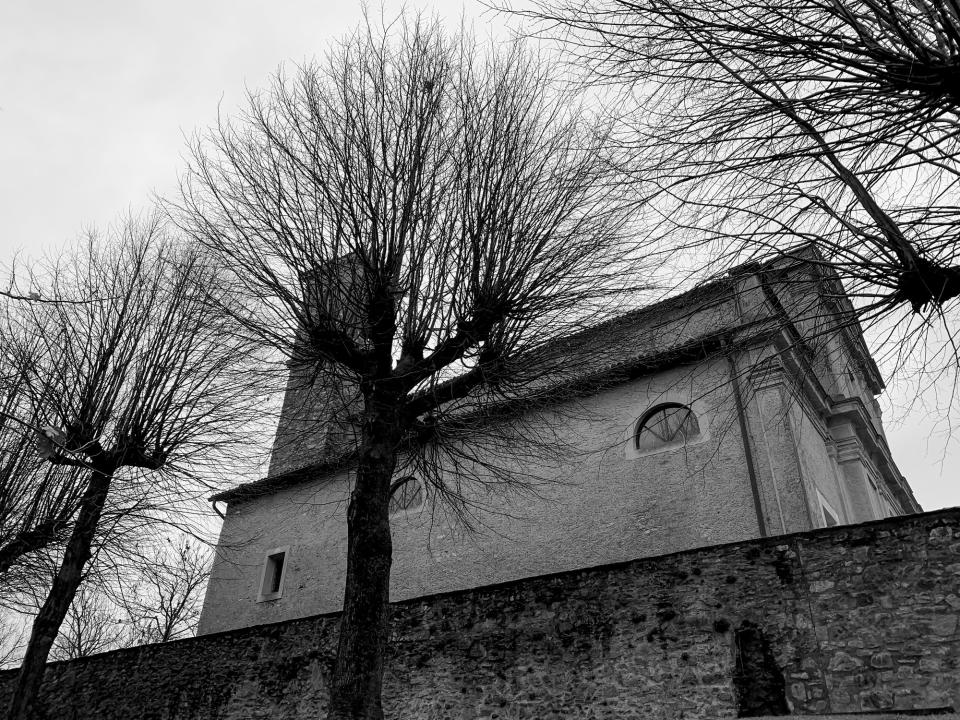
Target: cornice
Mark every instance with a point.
(867, 443)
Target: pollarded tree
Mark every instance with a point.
(38, 501)
(413, 220)
(137, 378)
(752, 126)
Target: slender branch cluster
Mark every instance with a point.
(833, 121)
(160, 600)
(750, 127)
(134, 369)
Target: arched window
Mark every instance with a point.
(407, 495)
(666, 426)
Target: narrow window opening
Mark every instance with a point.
(881, 508)
(271, 583)
(407, 495)
(276, 572)
(888, 505)
(757, 679)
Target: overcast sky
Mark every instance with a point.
(95, 99)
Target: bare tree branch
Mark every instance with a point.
(161, 602)
(750, 128)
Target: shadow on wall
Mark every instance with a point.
(757, 681)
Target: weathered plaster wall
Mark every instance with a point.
(313, 396)
(829, 392)
(606, 505)
(818, 470)
(848, 619)
(785, 496)
(311, 423)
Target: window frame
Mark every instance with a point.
(266, 571)
(405, 510)
(633, 432)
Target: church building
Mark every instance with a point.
(743, 408)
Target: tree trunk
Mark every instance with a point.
(32, 540)
(65, 584)
(358, 672)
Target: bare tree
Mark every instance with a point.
(750, 127)
(161, 600)
(135, 589)
(11, 640)
(92, 625)
(137, 378)
(414, 222)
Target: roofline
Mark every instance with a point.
(691, 351)
(695, 350)
(307, 473)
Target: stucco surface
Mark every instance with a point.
(597, 504)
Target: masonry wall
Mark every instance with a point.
(848, 619)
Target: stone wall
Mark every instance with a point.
(841, 620)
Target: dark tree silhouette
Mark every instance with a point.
(38, 501)
(136, 379)
(414, 222)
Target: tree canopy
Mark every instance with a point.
(751, 127)
(412, 220)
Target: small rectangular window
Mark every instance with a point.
(276, 572)
(271, 580)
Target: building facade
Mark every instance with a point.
(744, 408)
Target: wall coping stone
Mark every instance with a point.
(924, 518)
